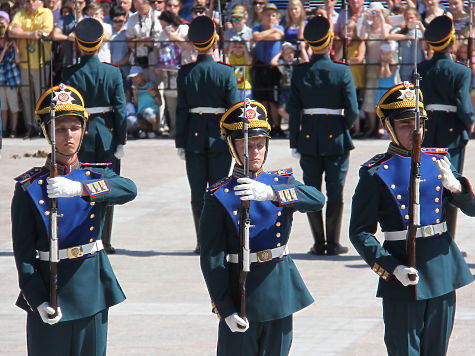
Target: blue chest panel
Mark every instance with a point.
(78, 222)
(395, 173)
(267, 218)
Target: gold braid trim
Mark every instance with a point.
(252, 125)
(89, 49)
(61, 107)
(403, 104)
(436, 47)
(324, 44)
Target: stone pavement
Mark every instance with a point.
(167, 312)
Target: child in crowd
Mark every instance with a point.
(10, 78)
(285, 61)
(96, 12)
(239, 28)
(147, 101)
(240, 58)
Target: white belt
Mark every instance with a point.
(73, 252)
(441, 107)
(261, 256)
(323, 111)
(99, 110)
(207, 110)
(423, 231)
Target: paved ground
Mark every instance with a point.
(167, 311)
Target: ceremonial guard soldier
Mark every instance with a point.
(274, 287)
(85, 285)
(205, 89)
(446, 87)
(418, 311)
(101, 86)
(322, 108)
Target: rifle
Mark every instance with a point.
(344, 8)
(415, 177)
(53, 247)
(470, 36)
(244, 221)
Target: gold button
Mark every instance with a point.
(398, 197)
(92, 203)
(386, 166)
(436, 210)
(406, 217)
(277, 235)
(307, 136)
(87, 173)
(434, 159)
(437, 221)
(436, 200)
(439, 176)
(196, 133)
(276, 179)
(330, 136)
(40, 181)
(41, 202)
(393, 186)
(425, 130)
(91, 228)
(234, 212)
(226, 190)
(278, 245)
(92, 216)
(86, 132)
(277, 224)
(91, 240)
(403, 207)
(437, 188)
(451, 130)
(279, 213)
(47, 212)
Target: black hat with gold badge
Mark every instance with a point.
(399, 103)
(202, 33)
(317, 33)
(89, 34)
(231, 123)
(440, 33)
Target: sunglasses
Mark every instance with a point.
(156, 2)
(118, 21)
(255, 3)
(234, 19)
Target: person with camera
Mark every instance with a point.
(30, 25)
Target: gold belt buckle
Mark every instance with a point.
(428, 231)
(264, 255)
(75, 252)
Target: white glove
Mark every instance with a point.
(61, 187)
(295, 153)
(253, 190)
(45, 309)
(448, 179)
(402, 274)
(181, 153)
(234, 321)
(119, 152)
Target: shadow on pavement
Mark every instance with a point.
(308, 256)
(151, 253)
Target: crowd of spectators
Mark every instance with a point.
(147, 39)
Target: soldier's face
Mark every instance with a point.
(404, 130)
(257, 152)
(68, 132)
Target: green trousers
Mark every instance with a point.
(82, 337)
(419, 327)
(270, 338)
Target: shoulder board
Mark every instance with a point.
(465, 65)
(29, 175)
(341, 63)
(440, 151)
(376, 159)
(100, 165)
(281, 172)
(218, 184)
(226, 64)
(111, 64)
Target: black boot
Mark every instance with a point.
(107, 230)
(316, 225)
(197, 208)
(334, 214)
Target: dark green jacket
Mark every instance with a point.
(275, 289)
(322, 83)
(101, 85)
(204, 83)
(86, 285)
(381, 196)
(445, 81)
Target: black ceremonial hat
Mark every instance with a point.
(440, 33)
(317, 33)
(202, 33)
(89, 34)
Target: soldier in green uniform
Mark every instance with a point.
(87, 286)
(275, 289)
(205, 89)
(102, 88)
(418, 315)
(322, 108)
(446, 87)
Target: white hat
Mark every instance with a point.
(376, 6)
(134, 71)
